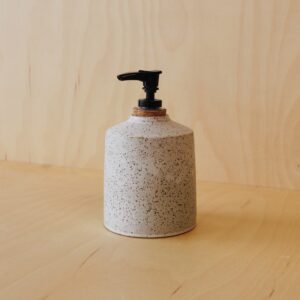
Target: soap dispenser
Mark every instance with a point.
(149, 170)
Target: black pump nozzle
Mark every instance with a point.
(150, 82)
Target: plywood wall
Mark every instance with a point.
(231, 72)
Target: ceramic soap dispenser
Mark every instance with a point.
(149, 173)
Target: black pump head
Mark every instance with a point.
(150, 82)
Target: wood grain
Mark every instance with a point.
(231, 71)
(53, 244)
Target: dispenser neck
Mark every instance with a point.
(139, 112)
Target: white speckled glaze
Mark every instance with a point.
(149, 178)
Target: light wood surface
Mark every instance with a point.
(231, 71)
(53, 244)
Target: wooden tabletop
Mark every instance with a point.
(53, 244)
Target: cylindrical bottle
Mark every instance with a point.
(149, 176)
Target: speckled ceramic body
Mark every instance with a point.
(149, 178)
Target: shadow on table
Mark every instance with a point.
(237, 227)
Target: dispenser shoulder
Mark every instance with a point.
(139, 127)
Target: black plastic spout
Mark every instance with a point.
(150, 81)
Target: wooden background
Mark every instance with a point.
(231, 72)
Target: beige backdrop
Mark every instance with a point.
(231, 72)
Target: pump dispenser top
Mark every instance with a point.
(150, 81)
